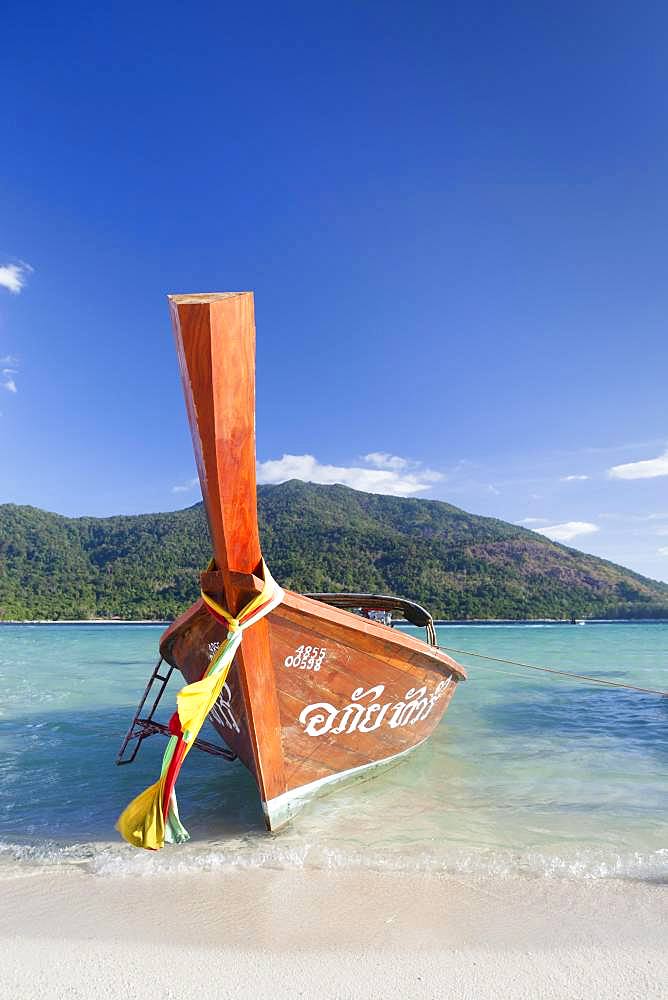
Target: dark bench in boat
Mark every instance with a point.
(412, 612)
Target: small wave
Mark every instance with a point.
(114, 860)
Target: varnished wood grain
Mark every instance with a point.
(361, 653)
(215, 342)
(215, 338)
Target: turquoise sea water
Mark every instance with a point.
(526, 773)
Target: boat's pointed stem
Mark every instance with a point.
(215, 339)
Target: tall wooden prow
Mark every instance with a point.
(315, 694)
(215, 341)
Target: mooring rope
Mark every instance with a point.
(560, 673)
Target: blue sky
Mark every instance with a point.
(453, 216)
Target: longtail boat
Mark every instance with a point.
(303, 690)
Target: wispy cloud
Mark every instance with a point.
(395, 463)
(383, 460)
(533, 520)
(7, 380)
(572, 479)
(663, 551)
(187, 486)
(404, 480)
(626, 516)
(13, 277)
(567, 531)
(648, 469)
(403, 477)
(609, 449)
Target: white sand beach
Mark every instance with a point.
(267, 933)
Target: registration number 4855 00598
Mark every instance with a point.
(306, 658)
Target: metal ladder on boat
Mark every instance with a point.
(142, 727)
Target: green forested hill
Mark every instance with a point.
(458, 565)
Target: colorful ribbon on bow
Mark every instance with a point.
(152, 819)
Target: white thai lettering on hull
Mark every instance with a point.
(365, 711)
(306, 658)
(222, 711)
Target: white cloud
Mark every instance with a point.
(662, 531)
(13, 277)
(567, 531)
(608, 449)
(401, 477)
(383, 460)
(572, 479)
(533, 520)
(663, 551)
(624, 516)
(649, 469)
(186, 487)
(395, 463)
(7, 381)
(393, 481)
(493, 490)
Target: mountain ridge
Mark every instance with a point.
(458, 565)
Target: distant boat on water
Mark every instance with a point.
(305, 692)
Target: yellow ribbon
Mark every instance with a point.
(142, 823)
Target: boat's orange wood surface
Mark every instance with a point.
(360, 692)
(215, 338)
(364, 703)
(315, 691)
(215, 341)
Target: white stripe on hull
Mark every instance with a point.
(280, 810)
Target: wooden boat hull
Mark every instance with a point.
(342, 695)
(315, 694)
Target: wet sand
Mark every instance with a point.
(267, 933)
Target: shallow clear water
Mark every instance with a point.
(526, 773)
